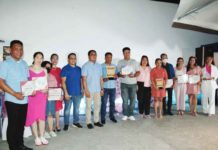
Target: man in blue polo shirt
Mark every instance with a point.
(93, 88)
(109, 88)
(13, 71)
(71, 83)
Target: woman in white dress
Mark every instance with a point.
(180, 87)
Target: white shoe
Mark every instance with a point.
(132, 118)
(53, 134)
(43, 140)
(124, 118)
(148, 117)
(47, 136)
(38, 142)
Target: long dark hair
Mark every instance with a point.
(53, 55)
(44, 63)
(144, 57)
(188, 65)
(178, 59)
(37, 53)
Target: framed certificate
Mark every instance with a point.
(182, 78)
(127, 70)
(111, 70)
(41, 83)
(54, 94)
(169, 83)
(193, 79)
(159, 83)
(27, 88)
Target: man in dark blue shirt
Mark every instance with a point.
(71, 82)
(171, 74)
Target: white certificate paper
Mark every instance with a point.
(127, 70)
(27, 88)
(182, 78)
(169, 83)
(54, 94)
(193, 79)
(41, 83)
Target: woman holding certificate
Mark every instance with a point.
(56, 71)
(158, 83)
(144, 88)
(193, 86)
(180, 85)
(209, 86)
(37, 102)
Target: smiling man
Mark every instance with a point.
(12, 72)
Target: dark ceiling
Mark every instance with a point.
(168, 1)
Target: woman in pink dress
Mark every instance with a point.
(37, 103)
(180, 88)
(158, 77)
(193, 89)
(56, 71)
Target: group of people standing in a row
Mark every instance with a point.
(92, 81)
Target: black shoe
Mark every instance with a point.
(170, 113)
(58, 129)
(164, 113)
(90, 126)
(77, 125)
(98, 124)
(103, 121)
(66, 127)
(114, 120)
(23, 147)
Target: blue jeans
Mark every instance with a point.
(76, 104)
(108, 93)
(128, 93)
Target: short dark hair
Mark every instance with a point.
(157, 59)
(53, 55)
(108, 53)
(163, 54)
(71, 54)
(90, 51)
(15, 42)
(126, 49)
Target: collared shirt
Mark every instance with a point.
(73, 79)
(110, 84)
(14, 72)
(131, 63)
(144, 76)
(93, 73)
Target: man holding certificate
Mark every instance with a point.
(171, 74)
(13, 71)
(128, 71)
(71, 83)
(109, 76)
